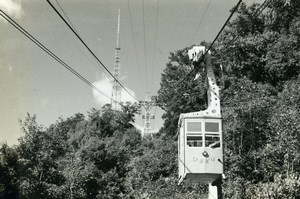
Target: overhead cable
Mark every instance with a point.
(200, 22)
(98, 60)
(209, 48)
(49, 52)
(145, 48)
(63, 11)
(258, 11)
(134, 43)
(83, 53)
(155, 42)
(262, 7)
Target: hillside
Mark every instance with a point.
(104, 156)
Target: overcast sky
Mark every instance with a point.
(31, 81)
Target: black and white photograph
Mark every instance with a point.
(149, 99)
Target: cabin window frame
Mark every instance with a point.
(211, 132)
(192, 132)
(194, 140)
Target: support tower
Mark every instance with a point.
(116, 91)
(149, 102)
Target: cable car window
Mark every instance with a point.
(212, 140)
(211, 127)
(194, 126)
(194, 140)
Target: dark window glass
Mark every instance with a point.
(211, 127)
(212, 140)
(194, 126)
(194, 140)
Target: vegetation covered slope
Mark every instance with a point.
(104, 156)
(101, 156)
(260, 83)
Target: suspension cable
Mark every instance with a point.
(209, 48)
(98, 60)
(49, 52)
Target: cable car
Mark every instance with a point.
(200, 147)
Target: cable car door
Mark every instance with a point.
(213, 150)
(194, 146)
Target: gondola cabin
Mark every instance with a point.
(200, 147)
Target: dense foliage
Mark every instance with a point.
(259, 51)
(104, 156)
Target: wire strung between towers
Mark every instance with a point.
(256, 14)
(134, 44)
(145, 48)
(81, 40)
(209, 48)
(82, 52)
(155, 43)
(200, 22)
(258, 11)
(63, 11)
(49, 52)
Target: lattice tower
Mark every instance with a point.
(116, 91)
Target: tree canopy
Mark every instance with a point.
(102, 155)
(259, 51)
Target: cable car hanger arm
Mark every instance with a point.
(213, 110)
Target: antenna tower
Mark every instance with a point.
(116, 91)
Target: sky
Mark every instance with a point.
(33, 82)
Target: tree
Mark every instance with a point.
(247, 109)
(9, 172)
(263, 46)
(38, 158)
(258, 144)
(281, 155)
(178, 93)
(260, 54)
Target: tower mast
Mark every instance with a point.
(150, 101)
(116, 91)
